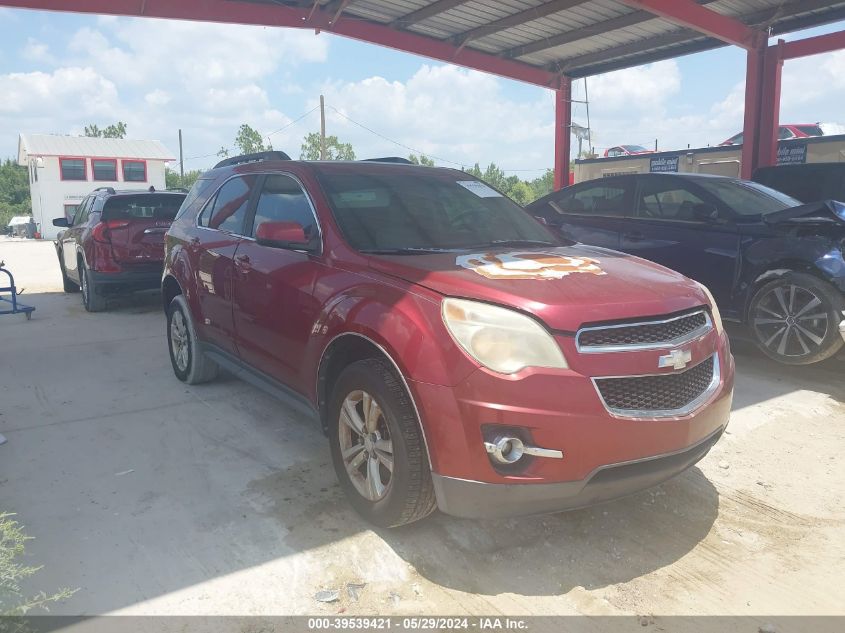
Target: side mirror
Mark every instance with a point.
(61, 222)
(706, 212)
(289, 235)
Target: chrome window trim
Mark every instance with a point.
(639, 347)
(637, 414)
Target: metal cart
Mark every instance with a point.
(13, 297)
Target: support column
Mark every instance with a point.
(767, 152)
(563, 131)
(753, 99)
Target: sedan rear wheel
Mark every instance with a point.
(795, 319)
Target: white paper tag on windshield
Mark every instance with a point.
(479, 189)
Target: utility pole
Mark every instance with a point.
(181, 162)
(322, 128)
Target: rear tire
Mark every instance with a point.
(380, 457)
(68, 285)
(795, 319)
(190, 363)
(91, 299)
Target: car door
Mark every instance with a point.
(593, 212)
(274, 306)
(72, 237)
(683, 227)
(212, 246)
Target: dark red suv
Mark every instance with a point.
(115, 243)
(457, 354)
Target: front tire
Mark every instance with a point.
(377, 446)
(795, 319)
(91, 299)
(190, 363)
(68, 285)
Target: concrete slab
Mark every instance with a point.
(153, 497)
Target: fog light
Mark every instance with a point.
(505, 450)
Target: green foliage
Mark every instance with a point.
(14, 191)
(335, 150)
(520, 191)
(422, 159)
(116, 130)
(172, 180)
(13, 602)
(249, 141)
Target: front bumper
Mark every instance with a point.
(481, 500)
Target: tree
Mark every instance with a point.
(172, 181)
(335, 150)
(116, 130)
(422, 159)
(14, 191)
(249, 141)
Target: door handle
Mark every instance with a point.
(636, 236)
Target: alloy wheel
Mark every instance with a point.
(791, 321)
(365, 445)
(179, 340)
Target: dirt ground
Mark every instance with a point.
(153, 497)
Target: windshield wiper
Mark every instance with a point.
(404, 251)
(518, 243)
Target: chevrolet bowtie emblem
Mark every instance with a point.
(677, 358)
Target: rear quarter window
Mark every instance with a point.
(146, 206)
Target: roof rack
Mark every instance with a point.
(252, 158)
(389, 159)
(106, 189)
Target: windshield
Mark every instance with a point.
(158, 206)
(419, 209)
(635, 148)
(748, 198)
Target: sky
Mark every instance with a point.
(59, 72)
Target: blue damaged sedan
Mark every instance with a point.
(770, 261)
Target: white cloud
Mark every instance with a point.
(157, 97)
(443, 111)
(36, 51)
(67, 93)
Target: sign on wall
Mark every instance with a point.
(792, 154)
(659, 164)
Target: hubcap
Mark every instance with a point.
(791, 321)
(179, 340)
(365, 445)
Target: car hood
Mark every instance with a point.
(824, 212)
(564, 286)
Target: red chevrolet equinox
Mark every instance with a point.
(457, 354)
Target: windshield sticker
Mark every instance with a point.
(517, 265)
(479, 188)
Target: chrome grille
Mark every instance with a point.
(644, 334)
(660, 395)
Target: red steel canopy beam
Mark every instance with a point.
(230, 12)
(813, 45)
(563, 132)
(690, 14)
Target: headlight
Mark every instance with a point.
(714, 309)
(500, 339)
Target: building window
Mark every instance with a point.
(104, 169)
(73, 168)
(135, 171)
(70, 211)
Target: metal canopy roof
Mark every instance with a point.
(573, 37)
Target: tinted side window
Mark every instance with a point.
(667, 200)
(227, 210)
(603, 200)
(82, 212)
(282, 200)
(200, 187)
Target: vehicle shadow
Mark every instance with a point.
(532, 556)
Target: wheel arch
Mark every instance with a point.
(170, 288)
(344, 349)
(775, 270)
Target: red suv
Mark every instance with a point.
(115, 243)
(457, 354)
